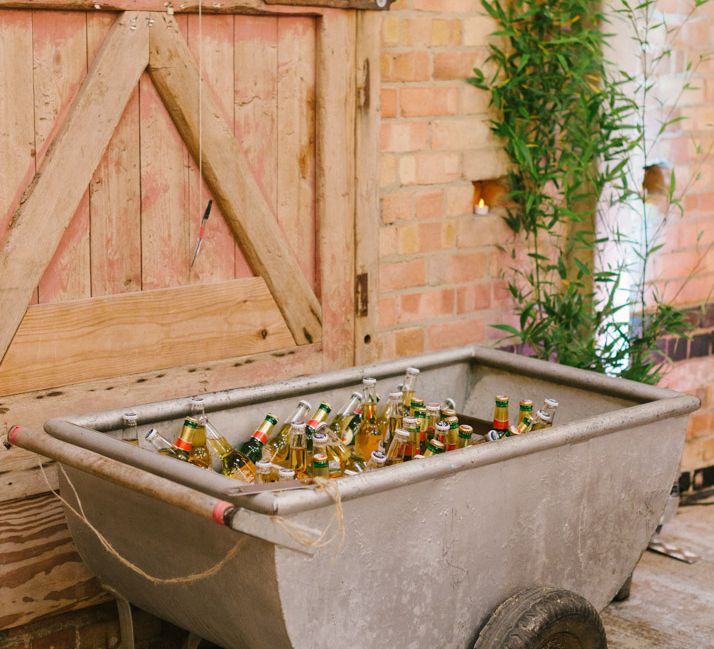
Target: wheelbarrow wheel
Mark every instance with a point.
(543, 618)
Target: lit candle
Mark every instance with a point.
(481, 209)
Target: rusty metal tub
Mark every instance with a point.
(430, 548)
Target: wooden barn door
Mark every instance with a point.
(102, 120)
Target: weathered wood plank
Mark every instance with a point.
(211, 42)
(40, 570)
(335, 185)
(62, 179)
(367, 221)
(60, 66)
(231, 7)
(17, 111)
(114, 193)
(296, 140)
(59, 344)
(19, 476)
(165, 245)
(226, 170)
(256, 106)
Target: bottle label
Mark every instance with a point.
(313, 423)
(183, 444)
(260, 435)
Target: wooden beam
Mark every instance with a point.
(227, 173)
(189, 6)
(68, 342)
(41, 572)
(335, 181)
(367, 219)
(52, 197)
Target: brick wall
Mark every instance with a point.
(439, 264)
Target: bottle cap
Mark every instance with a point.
(552, 403)
(319, 459)
(378, 457)
(412, 371)
(349, 472)
(129, 418)
(433, 406)
(544, 416)
(526, 403)
(436, 443)
(442, 426)
(449, 403)
(263, 466)
(492, 436)
(401, 433)
(319, 439)
(152, 432)
(418, 456)
(271, 418)
(286, 474)
(395, 395)
(298, 427)
(410, 421)
(465, 430)
(369, 382)
(502, 400)
(305, 405)
(357, 395)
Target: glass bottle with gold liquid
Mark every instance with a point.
(233, 463)
(398, 447)
(452, 437)
(253, 448)
(159, 443)
(276, 450)
(441, 431)
(263, 472)
(435, 447)
(338, 454)
(433, 417)
(410, 377)
(523, 426)
(341, 420)
(525, 407)
(298, 450)
(391, 420)
(321, 414)
(129, 428)
(320, 441)
(376, 461)
(411, 425)
(464, 437)
(368, 437)
(419, 413)
(500, 415)
(196, 422)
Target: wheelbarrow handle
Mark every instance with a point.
(124, 475)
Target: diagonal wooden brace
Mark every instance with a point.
(52, 197)
(228, 175)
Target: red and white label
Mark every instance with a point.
(183, 444)
(260, 436)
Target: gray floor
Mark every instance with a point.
(671, 605)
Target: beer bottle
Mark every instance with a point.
(398, 447)
(321, 415)
(419, 413)
(355, 464)
(550, 406)
(298, 450)
(411, 425)
(433, 416)
(368, 437)
(159, 443)
(350, 432)
(194, 433)
(320, 466)
(184, 442)
(525, 407)
(343, 417)
(524, 426)
(129, 428)
(541, 420)
(319, 447)
(464, 438)
(435, 447)
(376, 461)
(338, 455)
(392, 419)
(279, 446)
(500, 415)
(233, 463)
(415, 404)
(492, 436)
(253, 448)
(263, 472)
(408, 385)
(286, 475)
(452, 437)
(441, 431)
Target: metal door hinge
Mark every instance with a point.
(362, 294)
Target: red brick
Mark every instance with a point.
(408, 342)
(456, 65)
(388, 102)
(415, 307)
(446, 33)
(405, 66)
(457, 332)
(435, 168)
(437, 236)
(459, 134)
(407, 274)
(458, 268)
(455, 6)
(387, 170)
(428, 101)
(708, 451)
(387, 312)
(459, 199)
(473, 298)
(475, 231)
(397, 206)
(404, 136)
(388, 242)
(429, 205)
(408, 239)
(701, 424)
(418, 31)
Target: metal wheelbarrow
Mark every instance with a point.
(511, 544)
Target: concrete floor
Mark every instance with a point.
(671, 605)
